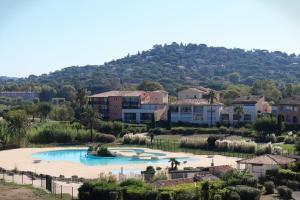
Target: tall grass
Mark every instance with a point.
(200, 143)
(236, 146)
(130, 138)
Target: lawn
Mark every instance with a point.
(9, 191)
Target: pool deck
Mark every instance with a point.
(22, 160)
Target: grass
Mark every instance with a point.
(290, 148)
(27, 192)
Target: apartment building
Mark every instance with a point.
(289, 108)
(252, 105)
(196, 93)
(131, 106)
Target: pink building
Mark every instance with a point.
(131, 106)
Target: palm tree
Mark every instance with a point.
(174, 163)
(89, 116)
(239, 110)
(212, 98)
(81, 97)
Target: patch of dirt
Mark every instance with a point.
(15, 193)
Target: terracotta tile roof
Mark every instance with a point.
(268, 159)
(247, 99)
(295, 100)
(193, 102)
(118, 93)
(173, 182)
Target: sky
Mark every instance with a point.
(42, 36)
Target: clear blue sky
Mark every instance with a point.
(39, 36)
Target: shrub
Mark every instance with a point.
(294, 185)
(166, 195)
(104, 138)
(265, 149)
(280, 138)
(132, 182)
(234, 196)
(284, 192)
(289, 140)
(211, 141)
(269, 187)
(236, 146)
(247, 193)
(223, 130)
(130, 138)
(200, 143)
(271, 138)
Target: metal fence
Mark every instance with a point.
(60, 187)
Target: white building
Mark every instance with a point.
(196, 111)
(252, 106)
(258, 166)
(195, 93)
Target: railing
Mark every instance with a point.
(60, 187)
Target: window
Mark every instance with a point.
(130, 117)
(247, 117)
(146, 116)
(236, 117)
(198, 109)
(198, 117)
(225, 117)
(289, 108)
(174, 109)
(186, 109)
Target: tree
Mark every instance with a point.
(81, 98)
(234, 77)
(280, 124)
(62, 113)
(205, 190)
(89, 117)
(4, 133)
(68, 92)
(174, 163)
(17, 122)
(266, 88)
(47, 93)
(265, 125)
(239, 111)
(31, 109)
(150, 86)
(44, 109)
(212, 97)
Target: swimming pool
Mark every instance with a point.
(80, 156)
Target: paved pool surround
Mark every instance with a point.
(23, 160)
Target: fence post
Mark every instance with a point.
(22, 178)
(12, 177)
(32, 179)
(61, 191)
(41, 181)
(72, 193)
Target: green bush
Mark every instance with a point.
(247, 193)
(269, 187)
(271, 138)
(104, 138)
(57, 133)
(234, 196)
(166, 195)
(284, 192)
(280, 138)
(289, 140)
(211, 140)
(132, 182)
(294, 185)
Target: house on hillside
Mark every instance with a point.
(131, 106)
(258, 166)
(196, 93)
(252, 106)
(289, 108)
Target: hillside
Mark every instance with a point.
(176, 65)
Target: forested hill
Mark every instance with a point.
(176, 65)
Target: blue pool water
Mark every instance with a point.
(80, 156)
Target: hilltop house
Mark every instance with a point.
(196, 93)
(289, 108)
(131, 106)
(252, 106)
(258, 166)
